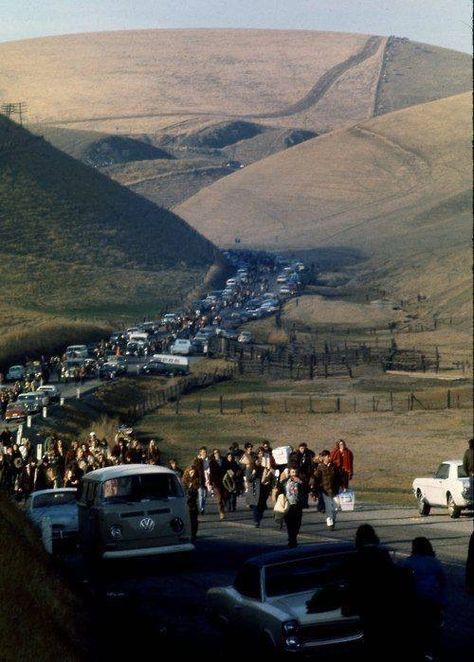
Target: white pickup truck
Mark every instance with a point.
(449, 487)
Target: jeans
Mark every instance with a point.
(330, 507)
(202, 496)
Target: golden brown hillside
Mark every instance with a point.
(158, 72)
(397, 188)
(146, 81)
(340, 189)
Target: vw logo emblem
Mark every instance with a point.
(147, 524)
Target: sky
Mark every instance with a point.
(440, 22)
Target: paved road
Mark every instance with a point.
(165, 598)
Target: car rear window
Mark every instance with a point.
(305, 575)
(54, 499)
(141, 487)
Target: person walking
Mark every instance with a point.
(230, 481)
(295, 493)
(327, 478)
(256, 497)
(430, 591)
(216, 475)
(303, 460)
(343, 458)
(383, 596)
(191, 484)
(201, 464)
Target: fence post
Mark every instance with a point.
(338, 404)
(391, 400)
(61, 401)
(311, 410)
(373, 403)
(262, 406)
(412, 401)
(325, 370)
(355, 404)
(449, 399)
(221, 404)
(241, 406)
(457, 401)
(177, 403)
(199, 405)
(45, 412)
(285, 405)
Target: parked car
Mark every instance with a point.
(16, 411)
(42, 396)
(285, 289)
(182, 346)
(281, 278)
(109, 371)
(15, 373)
(166, 365)
(60, 507)
(245, 337)
(77, 351)
(70, 368)
(449, 487)
(268, 600)
(31, 401)
(51, 391)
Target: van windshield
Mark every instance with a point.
(141, 487)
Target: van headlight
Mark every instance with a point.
(290, 635)
(116, 532)
(177, 525)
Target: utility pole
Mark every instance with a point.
(16, 108)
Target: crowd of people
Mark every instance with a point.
(254, 474)
(23, 469)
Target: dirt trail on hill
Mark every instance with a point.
(315, 95)
(326, 81)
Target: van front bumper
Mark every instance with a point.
(148, 551)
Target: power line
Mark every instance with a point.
(16, 108)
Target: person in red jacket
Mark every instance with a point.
(343, 458)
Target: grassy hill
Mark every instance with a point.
(395, 188)
(76, 244)
(415, 73)
(33, 597)
(99, 149)
(146, 81)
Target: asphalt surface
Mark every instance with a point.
(163, 600)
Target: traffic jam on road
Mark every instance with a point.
(260, 285)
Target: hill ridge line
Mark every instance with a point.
(311, 98)
(326, 81)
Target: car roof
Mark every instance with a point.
(300, 553)
(451, 462)
(53, 491)
(126, 470)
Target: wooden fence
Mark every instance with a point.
(390, 402)
(297, 361)
(174, 392)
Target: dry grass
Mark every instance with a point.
(416, 73)
(168, 71)
(40, 619)
(396, 189)
(391, 448)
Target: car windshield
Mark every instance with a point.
(54, 499)
(305, 575)
(461, 472)
(142, 487)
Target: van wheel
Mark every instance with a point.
(453, 510)
(423, 505)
